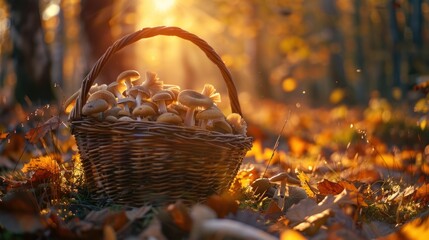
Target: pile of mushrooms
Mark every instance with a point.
(130, 98)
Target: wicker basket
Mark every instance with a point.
(137, 162)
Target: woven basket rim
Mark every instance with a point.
(150, 126)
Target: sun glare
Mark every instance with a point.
(163, 5)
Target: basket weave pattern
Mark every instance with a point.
(139, 162)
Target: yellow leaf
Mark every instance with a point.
(305, 184)
(291, 235)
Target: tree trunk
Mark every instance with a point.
(96, 18)
(362, 88)
(32, 60)
(395, 48)
(336, 62)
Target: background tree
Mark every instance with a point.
(30, 54)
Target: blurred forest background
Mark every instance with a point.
(295, 52)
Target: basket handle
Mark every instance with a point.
(147, 33)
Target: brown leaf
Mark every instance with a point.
(20, 214)
(312, 224)
(222, 204)
(327, 187)
(422, 193)
(273, 211)
(40, 131)
(416, 229)
(180, 215)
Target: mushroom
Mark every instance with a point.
(117, 89)
(193, 100)
(111, 118)
(220, 126)
(237, 123)
(113, 111)
(105, 95)
(71, 101)
(209, 114)
(95, 108)
(127, 77)
(125, 119)
(261, 187)
(207, 226)
(139, 93)
(143, 111)
(152, 83)
(128, 103)
(160, 98)
(210, 91)
(169, 118)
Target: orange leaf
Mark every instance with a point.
(291, 235)
(38, 132)
(422, 192)
(180, 216)
(327, 187)
(222, 205)
(4, 135)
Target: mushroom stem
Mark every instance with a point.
(230, 228)
(162, 108)
(189, 118)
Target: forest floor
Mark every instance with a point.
(345, 173)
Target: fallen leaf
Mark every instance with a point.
(289, 234)
(327, 187)
(40, 131)
(109, 233)
(4, 135)
(308, 207)
(417, 229)
(19, 213)
(422, 193)
(312, 224)
(222, 204)
(305, 184)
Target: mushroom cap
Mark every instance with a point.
(105, 95)
(209, 113)
(221, 126)
(124, 112)
(112, 111)
(134, 91)
(163, 95)
(95, 106)
(261, 186)
(152, 83)
(169, 118)
(131, 75)
(95, 87)
(210, 91)
(115, 85)
(143, 111)
(237, 123)
(151, 104)
(193, 99)
(125, 118)
(283, 176)
(111, 118)
(127, 100)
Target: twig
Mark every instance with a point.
(276, 145)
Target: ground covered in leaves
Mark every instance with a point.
(337, 173)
